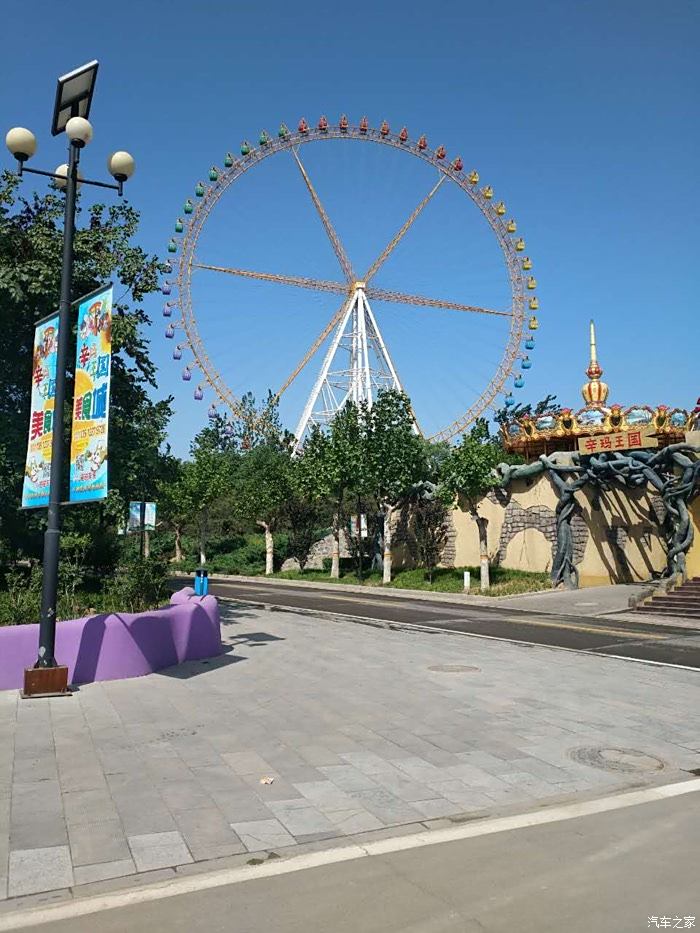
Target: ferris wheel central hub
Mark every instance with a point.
(357, 285)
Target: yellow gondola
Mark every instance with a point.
(534, 303)
(520, 245)
(473, 178)
(532, 282)
(534, 323)
(487, 192)
(527, 263)
(500, 208)
(511, 226)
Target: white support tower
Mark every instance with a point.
(356, 367)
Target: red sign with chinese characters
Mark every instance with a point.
(625, 440)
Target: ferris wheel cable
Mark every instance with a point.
(334, 321)
(298, 281)
(394, 242)
(382, 294)
(338, 249)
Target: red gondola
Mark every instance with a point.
(303, 126)
(343, 124)
(458, 165)
(323, 125)
(422, 142)
(440, 152)
(364, 125)
(403, 135)
(384, 128)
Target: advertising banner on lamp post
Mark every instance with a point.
(37, 470)
(88, 449)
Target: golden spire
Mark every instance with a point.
(594, 392)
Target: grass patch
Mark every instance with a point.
(504, 582)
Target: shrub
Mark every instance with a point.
(136, 586)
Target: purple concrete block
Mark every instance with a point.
(118, 645)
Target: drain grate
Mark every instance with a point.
(454, 669)
(627, 760)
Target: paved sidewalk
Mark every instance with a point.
(312, 730)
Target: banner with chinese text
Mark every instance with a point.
(37, 470)
(88, 449)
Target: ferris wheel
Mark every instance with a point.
(357, 362)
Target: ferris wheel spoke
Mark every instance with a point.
(338, 248)
(299, 281)
(391, 246)
(334, 321)
(381, 294)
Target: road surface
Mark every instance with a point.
(667, 644)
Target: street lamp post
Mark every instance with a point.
(72, 108)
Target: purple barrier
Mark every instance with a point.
(119, 645)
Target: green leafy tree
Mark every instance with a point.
(176, 508)
(469, 472)
(335, 468)
(206, 478)
(430, 512)
(30, 267)
(262, 489)
(396, 459)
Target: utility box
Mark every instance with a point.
(467, 581)
(201, 581)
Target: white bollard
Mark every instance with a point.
(467, 581)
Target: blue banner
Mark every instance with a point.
(88, 449)
(37, 470)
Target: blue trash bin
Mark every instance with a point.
(201, 581)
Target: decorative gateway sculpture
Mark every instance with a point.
(672, 471)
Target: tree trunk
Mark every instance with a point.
(178, 543)
(335, 554)
(388, 515)
(482, 525)
(269, 549)
(203, 538)
(146, 543)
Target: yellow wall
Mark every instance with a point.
(622, 544)
(694, 553)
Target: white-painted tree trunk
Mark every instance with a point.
(203, 539)
(386, 571)
(482, 525)
(269, 549)
(178, 543)
(335, 553)
(146, 543)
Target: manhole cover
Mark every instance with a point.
(628, 760)
(454, 669)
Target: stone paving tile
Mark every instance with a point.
(103, 871)
(257, 835)
(184, 795)
(325, 795)
(347, 777)
(300, 817)
(208, 834)
(88, 806)
(41, 869)
(432, 809)
(158, 850)
(353, 820)
(385, 806)
(33, 832)
(248, 762)
(91, 843)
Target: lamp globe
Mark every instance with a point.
(21, 142)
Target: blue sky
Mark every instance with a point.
(583, 116)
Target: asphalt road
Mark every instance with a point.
(622, 870)
(665, 644)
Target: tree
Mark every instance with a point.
(396, 459)
(334, 467)
(175, 505)
(469, 472)
(30, 267)
(206, 477)
(547, 405)
(430, 524)
(262, 489)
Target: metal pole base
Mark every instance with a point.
(45, 682)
